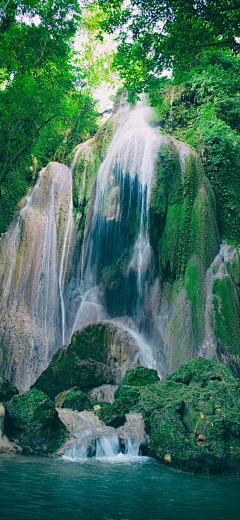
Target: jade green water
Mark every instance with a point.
(34, 488)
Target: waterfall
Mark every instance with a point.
(119, 225)
(34, 258)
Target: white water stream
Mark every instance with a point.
(132, 154)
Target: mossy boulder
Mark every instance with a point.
(7, 390)
(193, 418)
(33, 422)
(201, 372)
(77, 400)
(82, 364)
(140, 376)
(98, 354)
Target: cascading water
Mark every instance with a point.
(91, 438)
(117, 245)
(34, 258)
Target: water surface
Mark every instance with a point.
(37, 488)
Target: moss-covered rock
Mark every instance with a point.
(140, 376)
(193, 418)
(201, 372)
(7, 390)
(34, 423)
(98, 354)
(77, 400)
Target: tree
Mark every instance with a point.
(42, 94)
(156, 35)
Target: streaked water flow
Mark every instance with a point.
(120, 223)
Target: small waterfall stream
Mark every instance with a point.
(91, 438)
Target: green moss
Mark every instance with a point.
(226, 318)
(92, 342)
(77, 400)
(169, 240)
(200, 397)
(34, 422)
(196, 293)
(204, 229)
(140, 376)
(110, 277)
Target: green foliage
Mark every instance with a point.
(205, 113)
(168, 34)
(45, 111)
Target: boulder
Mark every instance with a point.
(103, 393)
(192, 418)
(34, 422)
(99, 354)
(7, 390)
(85, 429)
(133, 432)
(77, 400)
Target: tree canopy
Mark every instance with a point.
(44, 108)
(156, 35)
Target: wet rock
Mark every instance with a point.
(7, 390)
(192, 418)
(34, 422)
(103, 393)
(98, 354)
(134, 430)
(30, 257)
(84, 429)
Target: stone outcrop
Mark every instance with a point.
(134, 430)
(192, 418)
(76, 400)
(103, 393)
(33, 423)
(98, 354)
(84, 429)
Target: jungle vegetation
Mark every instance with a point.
(47, 107)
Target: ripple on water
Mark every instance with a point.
(36, 488)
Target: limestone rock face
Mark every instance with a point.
(34, 423)
(98, 354)
(7, 390)
(32, 269)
